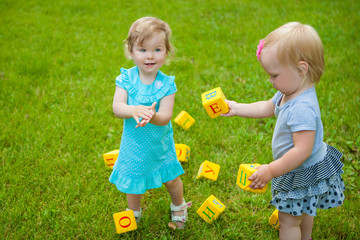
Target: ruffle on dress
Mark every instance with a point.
(305, 190)
(140, 185)
(128, 80)
(312, 175)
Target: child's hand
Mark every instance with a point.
(261, 177)
(145, 121)
(231, 105)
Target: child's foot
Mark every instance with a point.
(137, 214)
(179, 214)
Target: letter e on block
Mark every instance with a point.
(211, 209)
(214, 102)
(125, 221)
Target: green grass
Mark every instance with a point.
(58, 62)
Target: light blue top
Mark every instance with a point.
(298, 114)
(147, 156)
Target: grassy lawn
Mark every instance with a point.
(58, 62)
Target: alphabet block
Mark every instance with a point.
(211, 209)
(182, 152)
(184, 120)
(125, 221)
(110, 158)
(274, 219)
(214, 102)
(208, 170)
(245, 171)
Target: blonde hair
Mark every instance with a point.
(297, 42)
(143, 29)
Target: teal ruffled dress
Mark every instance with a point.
(147, 156)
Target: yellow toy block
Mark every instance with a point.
(110, 158)
(274, 219)
(184, 120)
(125, 221)
(182, 152)
(245, 171)
(214, 102)
(208, 170)
(211, 209)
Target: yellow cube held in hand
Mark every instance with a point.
(245, 171)
(184, 120)
(208, 170)
(211, 209)
(125, 221)
(214, 102)
(182, 152)
(274, 219)
(110, 158)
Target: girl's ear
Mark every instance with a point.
(303, 67)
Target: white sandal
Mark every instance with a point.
(182, 218)
(137, 214)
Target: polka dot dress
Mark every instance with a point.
(147, 156)
(322, 187)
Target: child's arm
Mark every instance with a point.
(262, 109)
(164, 113)
(303, 145)
(123, 110)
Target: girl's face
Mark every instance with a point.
(283, 78)
(151, 55)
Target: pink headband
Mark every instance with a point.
(259, 48)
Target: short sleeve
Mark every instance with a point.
(276, 98)
(302, 118)
(173, 88)
(122, 78)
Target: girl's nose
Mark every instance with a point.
(150, 54)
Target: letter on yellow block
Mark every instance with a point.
(208, 170)
(245, 171)
(214, 102)
(125, 221)
(110, 158)
(211, 209)
(184, 120)
(182, 152)
(274, 219)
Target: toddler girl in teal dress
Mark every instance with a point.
(306, 173)
(144, 98)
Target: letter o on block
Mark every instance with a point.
(125, 221)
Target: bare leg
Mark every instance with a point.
(289, 226)
(134, 201)
(306, 226)
(175, 189)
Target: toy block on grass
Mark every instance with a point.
(245, 171)
(208, 170)
(182, 152)
(274, 219)
(214, 102)
(125, 221)
(110, 158)
(211, 209)
(184, 120)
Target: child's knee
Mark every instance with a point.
(177, 181)
(288, 220)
